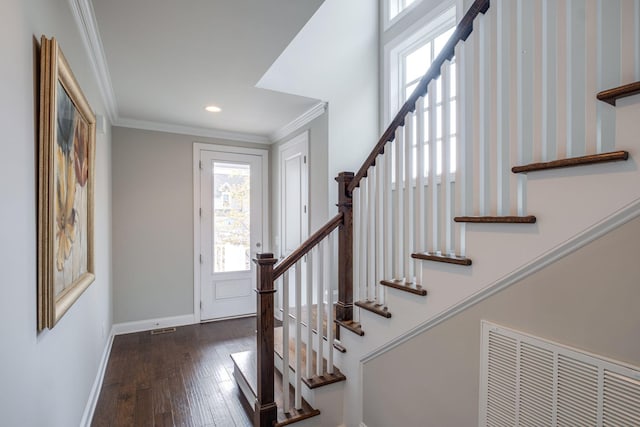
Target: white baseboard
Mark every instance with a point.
(97, 384)
(149, 324)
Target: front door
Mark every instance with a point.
(231, 232)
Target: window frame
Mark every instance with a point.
(428, 27)
(388, 20)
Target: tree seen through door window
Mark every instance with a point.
(231, 217)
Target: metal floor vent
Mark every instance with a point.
(529, 381)
(163, 331)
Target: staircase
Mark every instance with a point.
(435, 220)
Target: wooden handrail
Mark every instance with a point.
(305, 247)
(462, 31)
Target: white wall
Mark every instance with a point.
(335, 58)
(46, 378)
(153, 223)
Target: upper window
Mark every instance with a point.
(397, 6)
(416, 61)
(409, 55)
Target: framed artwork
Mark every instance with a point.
(65, 187)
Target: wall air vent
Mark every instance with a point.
(529, 381)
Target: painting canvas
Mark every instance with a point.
(66, 182)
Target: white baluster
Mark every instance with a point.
(319, 263)
(298, 376)
(432, 199)
(309, 290)
(485, 113)
(591, 140)
(380, 201)
(637, 38)
(525, 93)
(278, 303)
(466, 101)
(285, 341)
(363, 242)
(576, 76)
(503, 106)
(398, 215)
(357, 251)
(408, 199)
(561, 59)
(608, 69)
(421, 234)
(371, 234)
(549, 80)
(445, 177)
(328, 268)
(364, 194)
(388, 218)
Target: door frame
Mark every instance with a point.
(304, 139)
(198, 147)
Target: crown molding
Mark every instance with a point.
(191, 130)
(86, 22)
(84, 16)
(315, 111)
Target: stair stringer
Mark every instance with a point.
(573, 206)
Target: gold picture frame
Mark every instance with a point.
(66, 175)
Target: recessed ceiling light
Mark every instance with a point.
(213, 109)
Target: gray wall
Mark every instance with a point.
(319, 181)
(45, 378)
(153, 223)
(587, 300)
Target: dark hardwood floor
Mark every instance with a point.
(182, 378)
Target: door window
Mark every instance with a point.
(231, 217)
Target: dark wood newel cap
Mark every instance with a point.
(344, 180)
(345, 176)
(265, 258)
(264, 255)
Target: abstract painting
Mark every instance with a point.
(65, 187)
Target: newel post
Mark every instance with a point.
(265, 406)
(344, 307)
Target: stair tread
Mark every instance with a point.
(413, 288)
(314, 381)
(350, 325)
(374, 307)
(573, 161)
(610, 96)
(246, 364)
(528, 219)
(438, 257)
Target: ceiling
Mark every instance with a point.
(168, 59)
